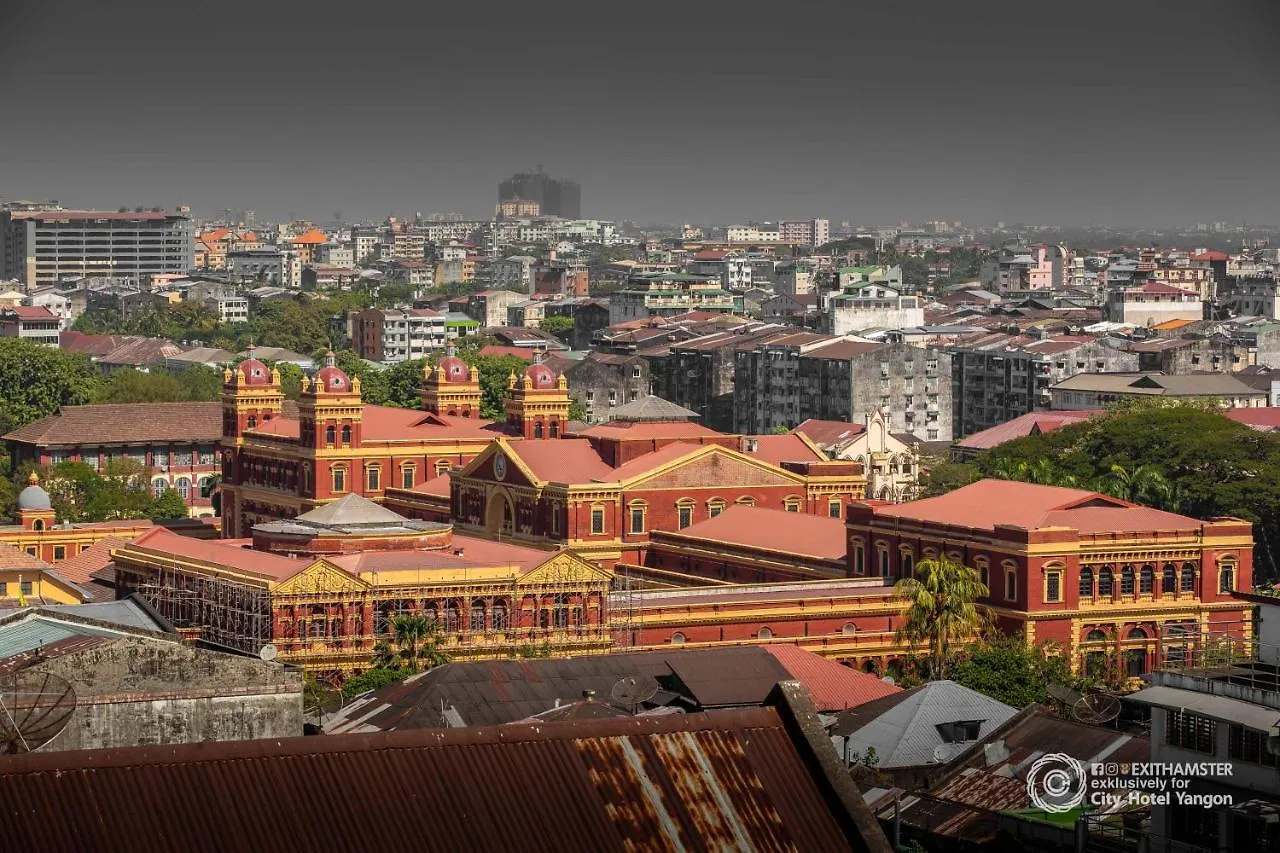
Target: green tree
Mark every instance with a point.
(419, 641)
(941, 608)
(561, 327)
(36, 381)
(168, 505)
(372, 679)
(1010, 670)
(941, 476)
(404, 383)
(1144, 484)
(121, 492)
(494, 373)
(578, 411)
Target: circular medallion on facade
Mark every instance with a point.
(500, 466)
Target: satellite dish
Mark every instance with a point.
(269, 652)
(34, 709)
(634, 690)
(1096, 708)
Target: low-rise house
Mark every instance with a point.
(1095, 390)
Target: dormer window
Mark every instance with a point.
(960, 731)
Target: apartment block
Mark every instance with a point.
(810, 232)
(998, 377)
(50, 245)
(872, 305)
(784, 382)
(490, 307)
(394, 335)
(1153, 303)
(666, 295)
(36, 324)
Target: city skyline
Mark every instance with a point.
(1155, 113)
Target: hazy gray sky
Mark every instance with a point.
(1127, 111)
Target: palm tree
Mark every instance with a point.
(1009, 469)
(941, 608)
(1145, 484)
(385, 657)
(418, 639)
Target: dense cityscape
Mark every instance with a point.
(777, 431)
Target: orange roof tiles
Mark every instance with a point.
(80, 568)
(829, 433)
(986, 503)
(118, 423)
(1264, 419)
(232, 553)
(312, 236)
(567, 460)
(438, 487)
(16, 558)
(775, 530)
(643, 430)
(1022, 426)
(1172, 324)
(833, 686)
(776, 449)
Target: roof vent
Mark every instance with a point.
(588, 695)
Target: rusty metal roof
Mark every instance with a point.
(725, 780)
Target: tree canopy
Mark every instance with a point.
(36, 381)
(1184, 458)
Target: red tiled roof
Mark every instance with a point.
(232, 553)
(16, 558)
(1265, 419)
(829, 433)
(650, 461)
(120, 423)
(30, 312)
(311, 236)
(381, 423)
(80, 568)
(438, 487)
(645, 430)
(565, 460)
(1020, 427)
(776, 449)
(526, 353)
(986, 503)
(88, 344)
(833, 686)
(476, 553)
(1210, 256)
(776, 530)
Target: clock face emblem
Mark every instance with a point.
(500, 466)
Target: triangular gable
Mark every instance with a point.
(714, 465)
(320, 577)
(565, 567)
(1096, 502)
(482, 466)
(1145, 382)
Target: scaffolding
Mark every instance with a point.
(220, 611)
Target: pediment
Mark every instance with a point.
(720, 467)
(565, 567)
(320, 577)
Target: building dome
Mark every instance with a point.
(454, 369)
(253, 372)
(34, 497)
(332, 380)
(542, 376)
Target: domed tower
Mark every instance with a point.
(251, 395)
(329, 409)
(537, 402)
(451, 388)
(35, 509)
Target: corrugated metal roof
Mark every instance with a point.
(39, 631)
(729, 780)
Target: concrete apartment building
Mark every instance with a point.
(667, 295)
(809, 232)
(1095, 390)
(733, 269)
(871, 305)
(230, 309)
(393, 335)
(787, 381)
(513, 273)
(45, 245)
(1043, 267)
(604, 382)
(997, 377)
(752, 235)
(1153, 303)
(793, 279)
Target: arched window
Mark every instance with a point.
(1086, 582)
(791, 504)
(859, 558)
(981, 564)
(560, 611)
(1169, 578)
(183, 485)
(908, 564)
(537, 429)
(477, 614)
(408, 473)
(715, 506)
(346, 434)
(1096, 636)
(1227, 576)
(764, 634)
(498, 615)
(442, 467)
(1010, 582)
(684, 512)
(1136, 634)
(849, 629)
(329, 434)
(555, 429)
(1105, 581)
(1146, 579)
(1188, 577)
(882, 555)
(746, 501)
(38, 524)
(677, 639)
(1126, 580)
(158, 486)
(375, 479)
(636, 517)
(339, 478)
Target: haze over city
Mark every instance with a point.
(1116, 113)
